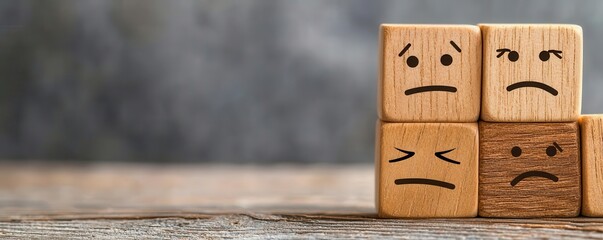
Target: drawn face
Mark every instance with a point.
(430, 73)
(551, 151)
(421, 164)
(529, 169)
(413, 62)
(532, 73)
(425, 181)
(544, 56)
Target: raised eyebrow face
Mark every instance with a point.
(410, 154)
(551, 150)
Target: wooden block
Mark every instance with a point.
(591, 128)
(429, 73)
(532, 73)
(426, 169)
(529, 170)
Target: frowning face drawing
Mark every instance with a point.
(430, 73)
(531, 73)
(425, 181)
(529, 170)
(427, 169)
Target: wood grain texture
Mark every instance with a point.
(525, 44)
(510, 150)
(145, 201)
(130, 190)
(426, 152)
(304, 226)
(591, 129)
(431, 46)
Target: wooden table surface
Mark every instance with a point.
(145, 201)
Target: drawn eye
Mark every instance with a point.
(440, 155)
(513, 55)
(446, 60)
(552, 150)
(546, 55)
(409, 154)
(516, 151)
(412, 61)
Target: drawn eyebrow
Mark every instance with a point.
(440, 156)
(455, 46)
(502, 51)
(404, 50)
(557, 146)
(556, 53)
(410, 154)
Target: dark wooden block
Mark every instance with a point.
(529, 170)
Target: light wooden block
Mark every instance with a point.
(531, 72)
(529, 170)
(426, 170)
(591, 127)
(429, 73)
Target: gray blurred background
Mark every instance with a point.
(220, 81)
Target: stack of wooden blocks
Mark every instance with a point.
(527, 153)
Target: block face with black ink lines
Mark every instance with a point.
(591, 128)
(429, 73)
(531, 72)
(529, 170)
(426, 170)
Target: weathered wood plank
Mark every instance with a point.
(264, 226)
(138, 201)
(104, 189)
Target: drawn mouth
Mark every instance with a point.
(432, 88)
(528, 174)
(533, 84)
(424, 181)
